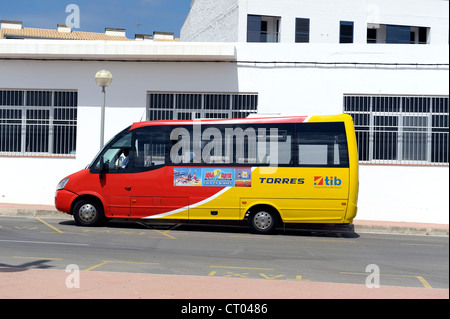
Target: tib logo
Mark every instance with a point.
(327, 181)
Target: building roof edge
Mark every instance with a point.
(117, 50)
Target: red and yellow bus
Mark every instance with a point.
(267, 170)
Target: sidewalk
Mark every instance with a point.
(362, 226)
(19, 283)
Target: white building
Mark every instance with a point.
(396, 91)
(319, 21)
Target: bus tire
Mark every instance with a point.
(88, 212)
(263, 220)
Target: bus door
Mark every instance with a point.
(117, 188)
(152, 192)
(115, 181)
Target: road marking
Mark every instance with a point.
(247, 274)
(96, 266)
(158, 231)
(233, 267)
(331, 240)
(41, 242)
(422, 280)
(249, 236)
(299, 278)
(51, 232)
(104, 262)
(232, 274)
(270, 277)
(426, 245)
(164, 233)
(106, 231)
(47, 224)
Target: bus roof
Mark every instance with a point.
(250, 120)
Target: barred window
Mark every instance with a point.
(400, 129)
(186, 106)
(38, 122)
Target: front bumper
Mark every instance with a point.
(64, 200)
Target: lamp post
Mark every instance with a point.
(103, 79)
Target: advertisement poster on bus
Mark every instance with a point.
(218, 177)
(243, 177)
(187, 176)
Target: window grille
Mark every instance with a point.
(38, 122)
(186, 106)
(400, 129)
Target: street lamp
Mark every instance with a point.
(103, 79)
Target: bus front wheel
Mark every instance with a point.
(88, 213)
(263, 221)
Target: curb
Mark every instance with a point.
(406, 230)
(24, 212)
(360, 226)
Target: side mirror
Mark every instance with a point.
(103, 168)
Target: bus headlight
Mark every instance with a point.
(62, 184)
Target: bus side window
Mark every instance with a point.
(313, 154)
(322, 144)
(150, 148)
(262, 144)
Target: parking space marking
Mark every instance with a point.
(164, 233)
(104, 262)
(47, 224)
(299, 278)
(234, 267)
(253, 274)
(271, 277)
(26, 227)
(422, 280)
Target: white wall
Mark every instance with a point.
(319, 89)
(206, 20)
(211, 21)
(404, 193)
(325, 16)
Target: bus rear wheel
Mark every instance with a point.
(88, 213)
(263, 221)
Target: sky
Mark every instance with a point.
(136, 16)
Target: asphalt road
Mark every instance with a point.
(225, 251)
